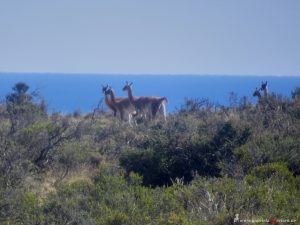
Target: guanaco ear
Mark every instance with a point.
(130, 84)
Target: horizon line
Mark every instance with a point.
(144, 74)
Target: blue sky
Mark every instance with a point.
(250, 37)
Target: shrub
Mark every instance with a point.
(164, 161)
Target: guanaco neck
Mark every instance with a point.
(110, 105)
(130, 96)
(112, 96)
(108, 102)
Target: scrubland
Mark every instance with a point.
(204, 165)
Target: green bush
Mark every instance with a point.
(204, 165)
(164, 161)
(276, 174)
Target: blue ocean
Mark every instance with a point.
(66, 93)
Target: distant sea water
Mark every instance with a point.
(69, 92)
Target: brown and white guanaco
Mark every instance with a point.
(146, 105)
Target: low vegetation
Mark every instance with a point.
(204, 165)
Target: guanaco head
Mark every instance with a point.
(257, 93)
(127, 86)
(108, 90)
(264, 86)
(104, 88)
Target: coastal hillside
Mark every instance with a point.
(205, 164)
